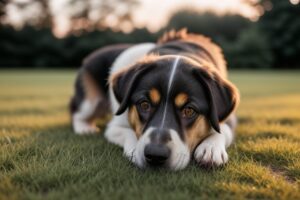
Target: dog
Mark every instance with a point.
(171, 100)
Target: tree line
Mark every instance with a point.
(271, 42)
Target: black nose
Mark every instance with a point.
(156, 154)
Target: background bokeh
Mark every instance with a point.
(42, 44)
(60, 33)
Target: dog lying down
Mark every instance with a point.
(171, 100)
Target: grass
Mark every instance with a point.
(41, 158)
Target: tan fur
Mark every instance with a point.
(146, 59)
(182, 34)
(197, 132)
(94, 94)
(213, 73)
(151, 58)
(181, 99)
(173, 35)
(207, 67)
(217, 73)
(134, 120)
(200, 40)
(235, 96)
(92, 91)
(154, 96)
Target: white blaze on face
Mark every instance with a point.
(171, 78)
(180, 154)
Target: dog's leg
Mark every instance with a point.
(87, 104)
(118, 130)
(119, 133)
(83, 121)
(90, 100)
(212, 150)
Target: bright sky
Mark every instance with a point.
(155, 13)
(150, 13)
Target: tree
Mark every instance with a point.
(281, 24)
(217, 27)
(115, 14)
(82, 14)
(250, 50)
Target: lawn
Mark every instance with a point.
(41, 158)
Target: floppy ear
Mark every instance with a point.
(222, 95)
(124, 83)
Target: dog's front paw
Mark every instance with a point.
(210, 154)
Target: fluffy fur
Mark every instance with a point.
(149, 86)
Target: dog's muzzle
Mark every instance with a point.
(157, 152)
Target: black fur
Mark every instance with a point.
(211, 97)
(97, 65)
(188, 49)
(156, 75)
(219, 97)
(214, 99)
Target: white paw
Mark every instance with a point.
(84, 128)
(210, 154)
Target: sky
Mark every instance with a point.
(155, 13)
(152, 14)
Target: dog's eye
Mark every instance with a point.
(188, 112)
(145, 106)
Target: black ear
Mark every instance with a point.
(124, 83)
(222, 96)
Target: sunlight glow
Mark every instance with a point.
(295, 2)
(153, 14)
(156, 13)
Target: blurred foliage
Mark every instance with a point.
(31, 47)
(272, 42)
(217, 27)
(281, 24)
(82, 14)
(251, 49)
(243, 43)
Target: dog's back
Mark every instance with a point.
(196, 46)
(94, 71)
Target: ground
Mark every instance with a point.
(41, 158)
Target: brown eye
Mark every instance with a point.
(188, 112)
(145, 106)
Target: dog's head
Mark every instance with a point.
(173, 102)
